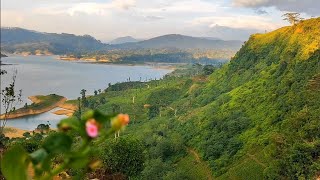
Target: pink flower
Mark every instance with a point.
(92, 128)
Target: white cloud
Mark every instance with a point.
(89, 8)
(123, 4)
(240, 21)
(180, 6)
(310, 7)
(11, 18)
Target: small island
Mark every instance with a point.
(40, 104)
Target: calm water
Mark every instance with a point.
(42, 75)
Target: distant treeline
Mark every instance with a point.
(160, 56)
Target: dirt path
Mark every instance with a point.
(198, 159)
(195, 154)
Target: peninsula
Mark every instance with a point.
(40, 104)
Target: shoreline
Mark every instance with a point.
(67, 109)
(154, 65)
(29, 112)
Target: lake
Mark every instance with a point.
(43, 75)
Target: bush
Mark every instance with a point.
(124, 156)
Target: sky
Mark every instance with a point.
(143, 19)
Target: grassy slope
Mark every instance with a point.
(45, 101)
(266, 84)
(256, 116)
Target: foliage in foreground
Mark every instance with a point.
(58, 152)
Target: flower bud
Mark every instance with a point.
(120, 121)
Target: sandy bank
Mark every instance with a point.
(66, 109)
(12, 132)
(68, 106)
(64, 112)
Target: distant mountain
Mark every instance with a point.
(122, 40)
(181, 42)
(18, 40)
(15, 40)
(210, 38)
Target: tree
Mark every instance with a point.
(124, 156)
(153, 112)
(102, 100)
(292, 18)
(83, 98)
(95, 92)
(9, 98)
(208, 69)
(115, 108)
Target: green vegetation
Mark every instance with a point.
(259, 110)
(44, 102)
(69, 148)
(140, 56)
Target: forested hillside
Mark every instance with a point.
(18, 40)
(257, 116)
(26, 42)
(181, 42)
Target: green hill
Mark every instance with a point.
(181, 42)
(256, 117)
(264, 103)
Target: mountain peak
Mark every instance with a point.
(122, 40)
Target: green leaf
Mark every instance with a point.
(57, 143)
(69, 123)
(101, 118)
(14, 164)
(79, 162)
(87, 115)
(80, 159)
(39, 156)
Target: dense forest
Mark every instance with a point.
(203, 56)
(256, 117)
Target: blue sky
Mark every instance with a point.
(109, 19)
